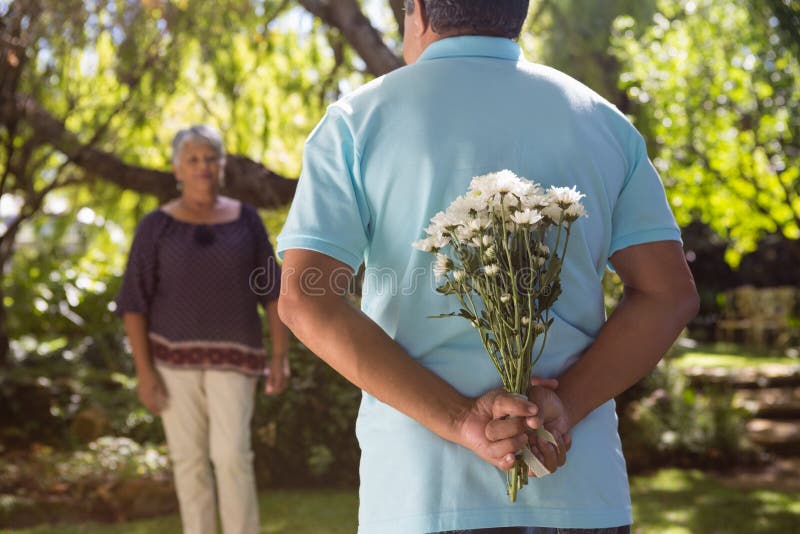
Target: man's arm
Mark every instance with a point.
(659, 299)
(317, 312)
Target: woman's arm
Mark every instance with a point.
(152, 393)
(279, 336)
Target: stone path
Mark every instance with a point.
(771, 394)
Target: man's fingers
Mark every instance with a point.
(561, 450)
(502, 453)
(549, 383)
(552, 456)
(510, 427)
(505, 404)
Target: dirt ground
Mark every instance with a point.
(782, 473)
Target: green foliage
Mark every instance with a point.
(91, 482)
(573, 36)
(63, 403)
(719, 89)
(666, 421)
(307, 434)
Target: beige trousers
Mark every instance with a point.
(208, 418)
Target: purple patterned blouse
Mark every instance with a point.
(199, 286)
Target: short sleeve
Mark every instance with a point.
(641, 213)
(329, 213)
(266, 281)
(141, 278)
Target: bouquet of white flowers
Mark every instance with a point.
(490, 243)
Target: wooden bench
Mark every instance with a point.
(762, 316)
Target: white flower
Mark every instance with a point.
(425, 245)
(487, 240)
(489, 185)
(510, 199)
(492, 270)
(490, 253)
(576, 210)
(535, 200)
(505, 297)
(459, 275)
(444, 220)
(553, 212)
(527, 216)
(464, 233)
(542, 249)
(439, 240)
(565, 196)
(463, 208)
(525, 320)
(442, 266)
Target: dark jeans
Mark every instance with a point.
(542, 530)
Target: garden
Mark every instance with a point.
(91, 93)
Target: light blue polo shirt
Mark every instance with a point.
(386, 158)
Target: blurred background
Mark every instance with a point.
(91, 93)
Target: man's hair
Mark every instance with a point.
(199, 133)
(497, 18)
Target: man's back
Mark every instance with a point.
(399, 150)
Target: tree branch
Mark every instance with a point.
(357, 29)
(399, 14)
(245, 179)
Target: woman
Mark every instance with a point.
(197, 269)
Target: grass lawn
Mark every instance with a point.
(689, 502)
(727, 356)
(670, 501)
(282, 511)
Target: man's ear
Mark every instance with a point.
(419, 20)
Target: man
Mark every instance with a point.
(381, 162)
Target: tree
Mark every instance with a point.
(91, 92)
(719, 89)
(574, 36)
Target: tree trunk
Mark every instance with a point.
(5, 347)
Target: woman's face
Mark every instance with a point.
(199, 167)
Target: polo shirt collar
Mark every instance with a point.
(473, 46)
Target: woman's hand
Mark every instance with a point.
(278, 378)
(152, 392)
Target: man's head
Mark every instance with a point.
(430, 20)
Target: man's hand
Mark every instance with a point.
(495, 426)
(152, 392)
(278, 378)
(553, 417)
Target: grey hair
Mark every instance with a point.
(200, 133)
(497, 18)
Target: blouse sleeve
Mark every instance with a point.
(140, 279)
(266, 277)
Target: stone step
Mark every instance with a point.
(775, 403)
(781, 436)
(763, 376)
